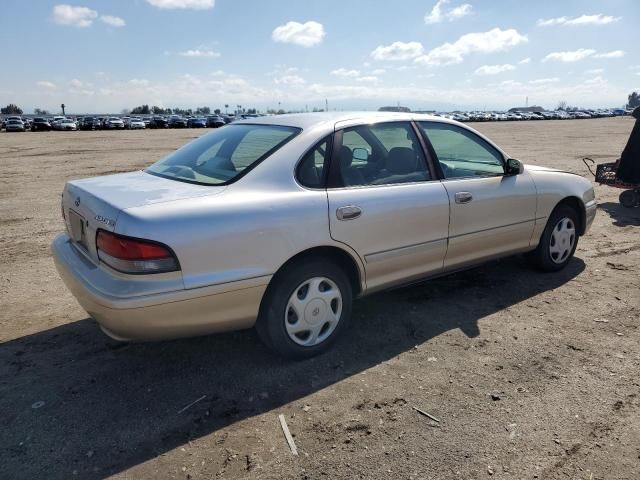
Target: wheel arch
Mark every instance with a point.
(336, 254)
(578, 205)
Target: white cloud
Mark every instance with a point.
(378, 71)
(290, 80)
(367, 78)
(46, 85)
(355, 75)
(199, 53)
(494, 69)
(571, 56)
(614, 54)
(495, 40)
(343, 72)
(594, 71)
(183, 4)
(459, 11)
(598, 19)
(112, 21)
(595, 81)
(524, 61)
(75, 83)
(139, 82)
(68, 15)
(438, 14)
(544, 81)
(398, 51)
(307, 34)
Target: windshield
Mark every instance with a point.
(223, 155)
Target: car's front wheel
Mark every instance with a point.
(305, 309)
(558, 242)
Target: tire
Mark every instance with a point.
(324, 295)
(557, 244)
(629, 198)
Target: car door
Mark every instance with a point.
(386, 203)
(491, 213)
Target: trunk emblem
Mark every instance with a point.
(77, 202)
(106, 221)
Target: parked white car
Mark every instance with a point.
(136, 124)
(64, 124)
(279, 222)
(113, 123)
(14, 125)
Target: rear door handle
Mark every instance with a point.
(463, 197)
(348, 213)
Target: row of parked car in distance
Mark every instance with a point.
(21, 124)
(479, 116)
(39, 124)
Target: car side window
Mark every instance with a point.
(311, 170)
(461, 153)
(381, 154)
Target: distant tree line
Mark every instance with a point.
(11, 109)
(634, 100)
(155, 110)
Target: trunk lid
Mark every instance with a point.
(95, 203)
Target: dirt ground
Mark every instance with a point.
(531, 375)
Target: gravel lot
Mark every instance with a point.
(531, 375)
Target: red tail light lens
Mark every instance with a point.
(132, 255)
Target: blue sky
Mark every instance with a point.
(359, 54)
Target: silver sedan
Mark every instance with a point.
(280, 222)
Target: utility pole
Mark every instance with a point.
(326, 105)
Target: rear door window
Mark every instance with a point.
(381, 154)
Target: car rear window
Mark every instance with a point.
(222, 156)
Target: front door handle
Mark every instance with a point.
(348, 213)
(463, 197)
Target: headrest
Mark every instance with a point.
(346, 156)
(401, 160)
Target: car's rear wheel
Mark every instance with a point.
(305, 309)
(558, 242)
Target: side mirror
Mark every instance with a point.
(360, 154)
(513, 167)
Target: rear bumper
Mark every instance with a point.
(159, 316)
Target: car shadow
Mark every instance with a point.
(73, 401)
(621, 216)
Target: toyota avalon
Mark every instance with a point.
(280, 222)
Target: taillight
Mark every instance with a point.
(132, 255)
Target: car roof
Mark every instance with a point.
(309, 120)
